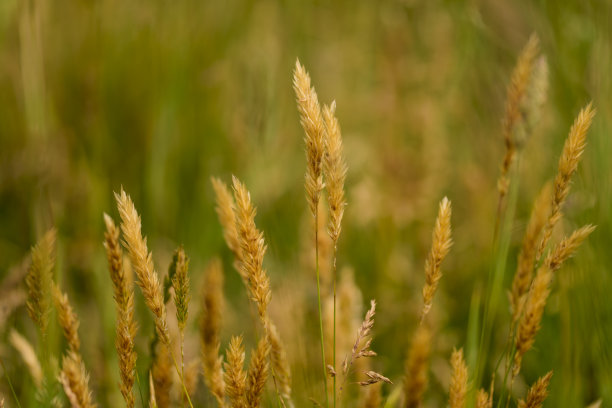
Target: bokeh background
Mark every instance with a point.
(158, 96)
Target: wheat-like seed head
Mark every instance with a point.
(314, 129)
(69, 322)
(537, 393)
(483, 399)
(458, 386)
(529, 324)
(124, 302)
(38, 280)
(235, 377)
(415, 382)
(517, 90)
(210, 327)
(142, 260)
(526, 259)
(568, 163)
(252, 249)
(258, 373)
(27, 353)
(567, 247)
(75, 381)
(335, 171)
(441, 243)
(180, 284)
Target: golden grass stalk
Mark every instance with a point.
(235, 377)
(458, 385)
(415, 382)
(69, 322)
(124, 304)
(526, 259)
(517, 90)
(252, 249)
(27, 353)
(441, 243)
(142, 260)
(162, 376)
(529, 324)
(361, 347)
(258, 373)
(568, 163)
(314, 130)
(75, 381)
(483, 399)
(210, 328)
(38, 280)
(227, 218)
(567, 247)
(148, 280)
(537, 393)
(335, 171)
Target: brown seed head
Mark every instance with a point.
(537, 393)
(415, 382)
(441, 243)
(75, 380)
(314, 129)
(39, 278)
(142, 261)
(567, 247)
(458, 386)
(235, 377)
(69, 322)
(252, 249)
(258, 373)
(180, 284)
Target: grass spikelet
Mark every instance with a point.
(458, 386)
(517, 90)
(142, 260)
(75, 380)
(210, 327)
(27, 353)
(124, 305)
(568, 163)
(258, 374)
(483, 399)
(537, 393)
(415, 381)
(441, 243)
(526, 259)
(180, 284)
(335, 171)
(68, 319)
(252, 249)
(235, 377)
(566, 248)
(529, 324)
(38, 280)
(314, 130)
(227, 218)
(361, 347)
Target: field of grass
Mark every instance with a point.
(157, 98)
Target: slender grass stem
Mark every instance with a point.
(319, 304)
(182, 378)
(8, 380)
(334, 339)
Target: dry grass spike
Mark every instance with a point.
(235, 377)
(537, 393)
(458, 385)
(68, 319)
(415, 381)
(75, 381)
(441, 243)
(39, 278)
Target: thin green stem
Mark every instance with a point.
(319, 302)
(8, 379)
(334, 340)
(178, 372)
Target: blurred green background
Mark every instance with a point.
(158, 96)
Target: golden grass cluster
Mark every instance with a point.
(267, 378)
